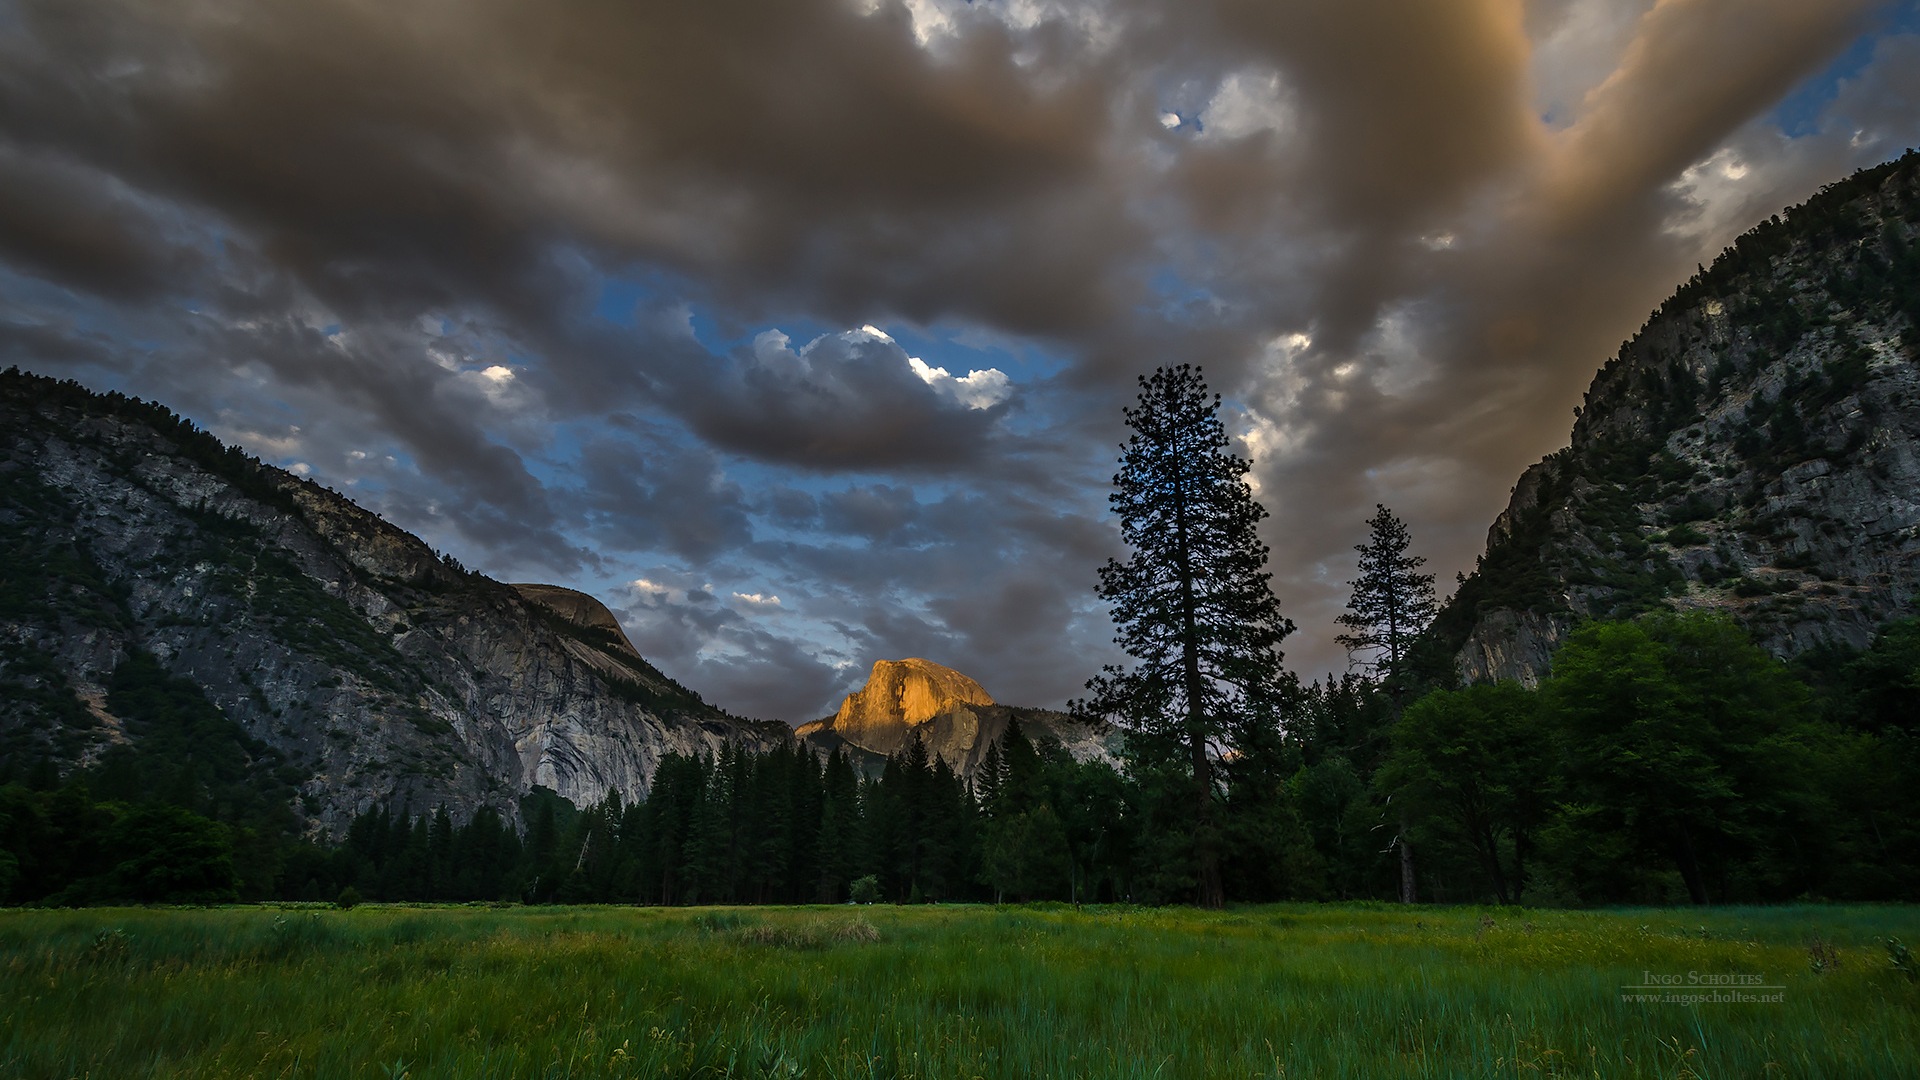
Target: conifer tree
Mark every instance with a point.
(1021, 787)
(1392, 601)
(837, 845)
(439, 869)
(1192, 604)
(987, 778)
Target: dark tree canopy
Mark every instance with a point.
(1684, 742)
(1392, 601)
(1192, 604)
(1467, 765)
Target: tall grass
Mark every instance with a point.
(1294, 991)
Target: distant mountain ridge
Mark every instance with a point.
(1754, 450)
(361, 667)
(917, 699)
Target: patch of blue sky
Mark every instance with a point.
(624, 297)
(1801, 112)
(556, 463)
(514, 357)
(1031, 359)
(619, 298)
(1179, 298)
(724, 337)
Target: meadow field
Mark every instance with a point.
(937, 991)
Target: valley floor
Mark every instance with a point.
(843, 992)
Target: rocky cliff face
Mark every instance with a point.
(901, 695)
(905, 700)
(368, 669)
(1754, 450)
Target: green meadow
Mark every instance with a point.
(936, 991)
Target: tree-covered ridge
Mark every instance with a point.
(379, 670)
(312, 619)
(184, 438)
(1840, 213)
(1719, 460)
(782, 825)
(74, 567)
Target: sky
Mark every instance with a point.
(799, 332)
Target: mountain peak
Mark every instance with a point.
(1754, 450)
(906, 693)
(347, 662)
(916, 699)
(580, 610)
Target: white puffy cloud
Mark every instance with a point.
(982, 389)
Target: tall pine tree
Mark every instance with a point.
(1192, 604)
(1392, 601)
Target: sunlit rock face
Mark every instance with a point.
(901, 695)
(905, 700)
(371, 671)
(1754, 450)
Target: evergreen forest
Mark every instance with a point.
(1667, 759)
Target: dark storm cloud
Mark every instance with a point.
(1394, 124)
(37, 344)
(75, 226)
(743, 667)
(846, 401)
(659, 496)
(388, 228)
(991, 585)
(429, 154)
(878, 512)
(1435, 341)
(391, 163)
(1012, 630)
(1882, 102)
(379, 378)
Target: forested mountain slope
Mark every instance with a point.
(177, 610)
(1754, 450)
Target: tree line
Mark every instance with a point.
(1666, 759)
